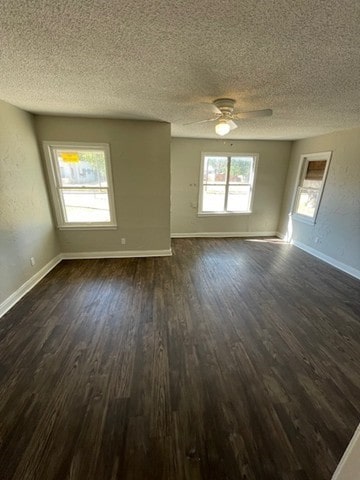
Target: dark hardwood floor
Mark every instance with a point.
(232, 359)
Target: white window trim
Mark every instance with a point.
(304, 160)
(53, 174)
(252, 184)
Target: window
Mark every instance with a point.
(80, 181)
(226, 183)
(312, 176)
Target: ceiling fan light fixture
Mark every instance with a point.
(222, 128)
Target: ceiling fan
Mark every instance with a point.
(226, 117)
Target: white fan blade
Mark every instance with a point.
(232, 125)
(203, 121)
(255, 114)
(216, 110)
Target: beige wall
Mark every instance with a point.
(140, 161)
(26, 227)
(337, 227)
(269, 186)
(349, 466)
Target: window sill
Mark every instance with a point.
(303, 219)
(87, 227)
(222, 214)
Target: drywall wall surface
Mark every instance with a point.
(269, 186)
(140, 162)
(336, 232)
(26, 226)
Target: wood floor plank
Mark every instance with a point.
(232, 359)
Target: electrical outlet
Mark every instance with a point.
(32, 261)
(316, 239)
(123, 241)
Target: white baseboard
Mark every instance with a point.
(223, 234)
(28, 285)
(117, 254)
(349, 466)
(331, 261)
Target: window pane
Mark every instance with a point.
(215, 170)
(307, 201)
(85, 168)
(238, 198)
(213, 198)
(240, 169)
(314, 174)
(85, 205)
(315, 169)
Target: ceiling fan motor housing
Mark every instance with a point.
(225, 105)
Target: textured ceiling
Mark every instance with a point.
(167, 60)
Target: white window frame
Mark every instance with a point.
(54, 183)
(303, 165)
(251, 184)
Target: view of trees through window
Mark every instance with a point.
(227, 183)
(83, 185)
(215, 170)
(86, 168)
(310, 185)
